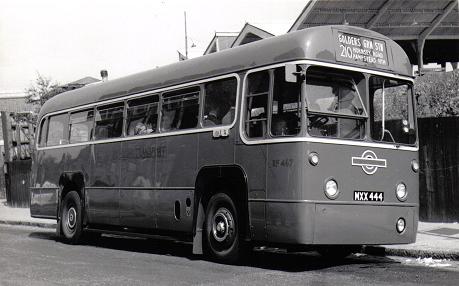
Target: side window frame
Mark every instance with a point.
(271, 106)
(126, 113)
(92, 127)
(245, 120)
(113, 105)
(177, 92)
(43, 132)
(221, 114)
(65, 139)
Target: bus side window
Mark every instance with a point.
(286, 107)
(257, 104)
(219, 102)
(109, 121)
(57, 128)
(180, 109)
(142, 115)
(81, 125)
(43, 129)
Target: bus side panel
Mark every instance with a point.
(49, 166)
(102, 194)
(175, 178)
(285, 221)
(138, 168)
(290, 222)
(252, 158)
(216, 151)
(79, 158)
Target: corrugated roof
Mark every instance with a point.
(397, 19)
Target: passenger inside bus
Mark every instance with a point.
(167, 119)
(213, 113)
(229, 116)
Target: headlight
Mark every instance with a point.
(401, 224)
(401, 192)
(331, 189)
(415, 166)
(313, 158)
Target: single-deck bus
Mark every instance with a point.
(302, 140)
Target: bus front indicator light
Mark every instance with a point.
(415, 166)
(313, 158)
(401, 225)
(401, 192)
(331, 189)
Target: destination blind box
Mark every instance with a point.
(360, 50)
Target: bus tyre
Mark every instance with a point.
(222, 242)
(71, 221)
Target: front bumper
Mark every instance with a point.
(322, 223)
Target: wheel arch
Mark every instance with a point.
(208, 182)
(71, 181)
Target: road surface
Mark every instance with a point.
(32, 256)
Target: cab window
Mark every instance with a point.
(286, 106)
(335, 107)
(256, 114)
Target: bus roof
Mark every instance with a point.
(316, 43)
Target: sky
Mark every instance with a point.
(67, 40)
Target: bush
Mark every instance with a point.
(437, 94)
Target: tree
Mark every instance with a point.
(42, 90)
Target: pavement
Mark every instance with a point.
(434, 240)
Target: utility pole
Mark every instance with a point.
(186, 38)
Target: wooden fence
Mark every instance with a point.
(439, 169)
(17, 181)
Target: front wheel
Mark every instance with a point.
(222, 229)
(71, 218)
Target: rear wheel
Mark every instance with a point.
(71, 222)
(222, 242)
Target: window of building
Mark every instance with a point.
(57, 128)
(286, 106)
(256, 118)
(81, 125)
(219, 102)
(335, 106)
(109, 121)
(142, 115)
(180, 109)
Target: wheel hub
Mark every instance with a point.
(223, 225)
(71, 218)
